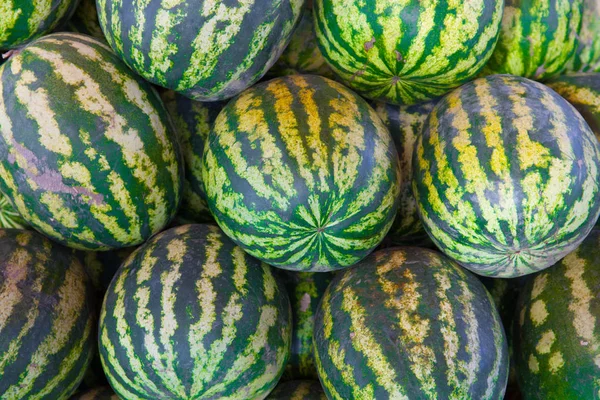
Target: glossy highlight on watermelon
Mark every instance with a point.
(408, 323)
(189, 315)
(46, 318)
(87, 151)
(406, 52)
(205, 50)
(506, 176)
(298, 390)
(302, 174)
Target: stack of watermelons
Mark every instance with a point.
(337, 199)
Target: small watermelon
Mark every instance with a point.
(100, 393)
(9, 217)
(506, 175)
(87, 151)
(46, 318)
(193, 121)
(302, 173)
(85, 20)
(587, 56)
(557, 345)
(408, 323)
(538, 38)
(205, 50)
(298, 390)
(189, 315)
(405, 124)
(406, 52)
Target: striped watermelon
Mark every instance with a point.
(85, 20)
(305, 290)
(587, 55)
(9, 217)
(409, 323)
(538, 38)
(205, 50)
(302, 55)
(405, 124)
(298, 390)
(87, 153)
(189, 315)
(302, 173)
(193, 120)
(583, 92)
(46, 318)
(101, 393)
(22, 21)
(410, 51)
(556, 338)
(506, 176)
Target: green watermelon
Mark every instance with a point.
(87, 150)
(302, 55)
(85, 20)
(408, 323)
(557, 345)
(538, 38)
(583, 92)
(9, 217)
(46, 318)
(587, 55)
(205, 50)
(189, 315)
(406, 52)
(302, 174)
(305, 290)
(506, 176)
(193, 121)
(100, 393)
(298, 390)
(405, 124)
(21, 21)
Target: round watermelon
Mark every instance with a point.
(305, 290)
(410, 51)
(189, 315)
(408, 323)
(587, 55)
(506, 176)
(87, 151)
(46, 318)
(405, 124)
(23, 20)
(557, 345)
(302, 174)
(85, 20)
(100, 393)
(538, 38)
(205, 50)
(9, 217)
(193, 121)
(583, 92)
(298, 390)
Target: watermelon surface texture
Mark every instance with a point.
(87, 151)
(46, 318)
(538, 38)
(205, 50)
(298, 390)
(85, 20)
(556, 338)
(506, 176)
(302, 173)
(406, 52)
(189, 315)
(408, 323)
(587, 55)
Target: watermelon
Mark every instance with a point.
(583, 92)
(193, 120)
(406, 52)
(100, 393)
(46, 318)
(87, 150)
(22, 21)
(405, 124)
(189, 315)
(302, 174)
(538, 38)
(101, 266)
(205, 50)
(409, 323)
(298, 390)
(305, 290)
(557, 346)
(587, 55)
(85, 20)
(506, 176)
(302, 55)
(9, 217)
